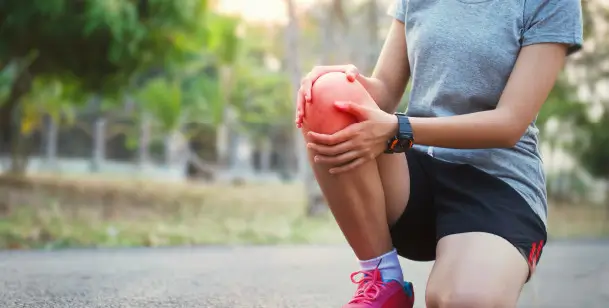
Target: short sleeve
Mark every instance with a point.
(553, 21)
(397, 10)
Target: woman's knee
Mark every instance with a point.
(321, 115)
(458, 296)
(475, 270)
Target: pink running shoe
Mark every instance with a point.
(373, 292)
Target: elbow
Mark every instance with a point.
(511, 136)
(511, 128)
(508, 142)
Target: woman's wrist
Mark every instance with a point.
(390, 126)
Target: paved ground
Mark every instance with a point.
(571, 275)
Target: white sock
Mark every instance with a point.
(388, 264)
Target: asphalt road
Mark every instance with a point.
(572, 274)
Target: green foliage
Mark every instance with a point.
(263, 101)
(50, 96)
(189, 91)
(202, 101)
(262, 94)
(593, 148)
(11, 70)
(102, 43)
(163, 100)
(223, 41)
(562, 103)
(6, 80)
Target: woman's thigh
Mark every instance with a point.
(489, 237)
(412, 220)
(476, 270)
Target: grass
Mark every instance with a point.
(578, 221)
(53, 213)
(49, 212)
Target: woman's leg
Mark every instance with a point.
(357, 201)
(363, 209)
(366, 201)
(488, 237)
(476, 270)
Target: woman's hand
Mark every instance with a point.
(357, 143)
(304, 93)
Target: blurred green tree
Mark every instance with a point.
(191, 95)
(94, 46)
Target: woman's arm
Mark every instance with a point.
(392, 71)
(529, 85)
(531, 80)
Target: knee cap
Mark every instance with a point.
(321, 116)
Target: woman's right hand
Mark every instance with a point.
(304, 93)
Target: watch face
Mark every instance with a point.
(406, 143)
(399, 145)
(403, 145)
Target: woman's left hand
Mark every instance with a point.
(357, 143)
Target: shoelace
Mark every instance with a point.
(370, 285)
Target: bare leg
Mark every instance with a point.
(364, 209)
(366, 201)
(476, 270)
(357, 202)
(395, 176)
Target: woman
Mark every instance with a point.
(470, 194)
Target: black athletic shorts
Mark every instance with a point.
(448, 198)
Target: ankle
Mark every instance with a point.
(388, 264)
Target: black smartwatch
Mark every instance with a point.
(404, 139)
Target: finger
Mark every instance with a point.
(337, 160)
(331, 150)
(348, 167)
(339, 137)
(352, 72)
(305, 86)
(360, 112)
(300, 105)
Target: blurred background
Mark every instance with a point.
(170, 122)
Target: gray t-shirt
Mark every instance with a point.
(461, 54)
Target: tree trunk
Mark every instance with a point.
(10, 122)
(314, 198)
(19, 146)
(265, 150)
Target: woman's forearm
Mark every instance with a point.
(486, 129)
(382, 95)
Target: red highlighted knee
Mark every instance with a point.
(321, 116)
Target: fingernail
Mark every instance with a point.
(340, 104)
